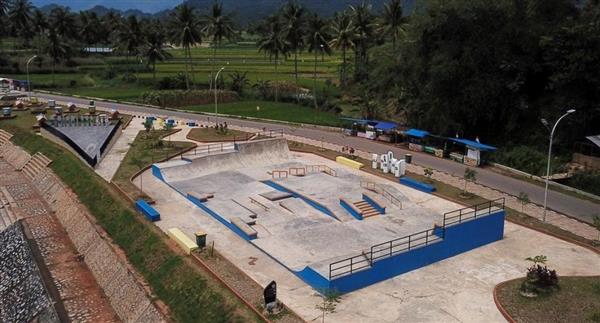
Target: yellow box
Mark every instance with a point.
(348, 162)
(182, 240)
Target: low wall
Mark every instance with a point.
(124, 289)
(457, 239)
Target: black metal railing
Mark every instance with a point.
(416, 240)
(474, 211)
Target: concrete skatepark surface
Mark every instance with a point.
(458, 289)
(290, 230)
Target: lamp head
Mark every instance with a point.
(571, 110)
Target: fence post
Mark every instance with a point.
(390, 248)
(351, 263)
(426, 237)
(409, 241)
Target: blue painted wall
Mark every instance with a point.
(351, 210)
(417, 185)
(219, 218)
(374, 204)
(459, 238)
(157, 173)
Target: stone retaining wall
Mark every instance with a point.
(127, 293)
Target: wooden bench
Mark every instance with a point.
(244, 227)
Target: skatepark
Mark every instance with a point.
(334, 227)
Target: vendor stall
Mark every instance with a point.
(473, 151)
(416, 139)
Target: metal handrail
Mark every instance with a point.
(409, 242)
(381, 191)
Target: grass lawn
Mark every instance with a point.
(577, 300)
(146, 149)
(272, 110)
(190, 293)
(211, 135)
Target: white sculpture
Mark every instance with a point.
(374, 159)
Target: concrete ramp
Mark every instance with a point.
(246, 154)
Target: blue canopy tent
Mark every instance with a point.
(372, 129)
(473, 151)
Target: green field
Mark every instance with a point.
(274, 111)
(87, 77)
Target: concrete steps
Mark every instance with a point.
(366, 209)
(35, 165)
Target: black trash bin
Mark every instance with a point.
(408, 158)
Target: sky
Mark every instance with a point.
(149, 6)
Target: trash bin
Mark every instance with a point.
(200, 239)
(408, 158)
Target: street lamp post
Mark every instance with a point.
(216, 108)
(28, 81)
(549, 158)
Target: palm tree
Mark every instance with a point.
(274, 44)
(391, 23)
(317, 39)
(130, 36)
(56, 49)
(87, 28)
(217, 26)
(63, 22)
(4, 5)
(363, 18)
(294, 19)
(154, 50)
(19, 16)
(184, 31)
(344, 33)
(40, 23)
(238, 81)
(111, 22)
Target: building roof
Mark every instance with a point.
(386, 125)
(473, 144)
(417, 133)
(595, 139)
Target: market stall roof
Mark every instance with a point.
(386, 125)
(473, 144)
(595, 139)
(416, 133)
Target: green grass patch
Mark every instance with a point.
(278, 111)
(577, 300)
(212, 135)
(147, 148)
(190, 296)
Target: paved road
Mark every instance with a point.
(567, 204)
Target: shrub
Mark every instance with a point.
(586, 181)
(539, 279)
(129, 77)
(181, 98)
(528, 159)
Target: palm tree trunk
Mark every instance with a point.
(154, 72)
(187, 73)
(192, 66)
(276, 78)
(296, 73)
(315, 82)
(343, 66)
(53, 78)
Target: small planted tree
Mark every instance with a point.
(329, 304)
(139, 163)
(147, 126)
(168, 127)
(523, 198)
(469, 176)
(428, 172)
(539, 278)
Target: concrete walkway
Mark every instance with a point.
(110, 163)
(562, 203)
(458, 289)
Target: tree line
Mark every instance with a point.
(469, 67)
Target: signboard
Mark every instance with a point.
(270, 293)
